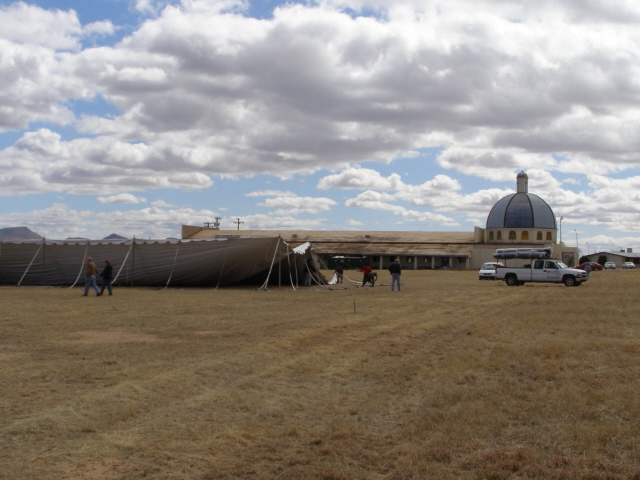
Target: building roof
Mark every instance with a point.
(620, 254)
(521, 210)
(451, 244)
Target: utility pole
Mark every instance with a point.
(238, 222)
(561, 230)
(215, 225)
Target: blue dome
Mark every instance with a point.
(521, 210)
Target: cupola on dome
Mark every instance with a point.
(521, 209)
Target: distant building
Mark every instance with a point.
(618, 257)
(521, 220)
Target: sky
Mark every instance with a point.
(135, 117)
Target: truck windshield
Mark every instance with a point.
(561, 265)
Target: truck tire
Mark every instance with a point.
(569, 281)
(511, 280)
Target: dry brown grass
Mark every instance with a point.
(452, 378)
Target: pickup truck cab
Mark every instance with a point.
(542, 270)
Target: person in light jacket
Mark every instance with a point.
(90, 277)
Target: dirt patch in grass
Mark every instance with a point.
(116, 335)
(451, 378)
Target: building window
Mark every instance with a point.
(512, 235)
(462, 260)
(490, 235)
(548, 235)
(525, 235)
(499, 237)
(539, 237)
(375, 259)
(409, 259)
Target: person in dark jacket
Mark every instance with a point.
(107, 277)
(309, 272)
(395, 270)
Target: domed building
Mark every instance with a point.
(521, 217)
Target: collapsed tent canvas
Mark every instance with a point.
(210, 263)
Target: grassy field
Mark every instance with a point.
(452, 378)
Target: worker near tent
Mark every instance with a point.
(308, 274)
(339, 274)
(107, 277)
(90, 277)
(395, 270)
(368, 275)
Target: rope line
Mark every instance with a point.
(86, 250)
(32, 260)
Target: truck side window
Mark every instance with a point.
(538, 265)
(550, 265)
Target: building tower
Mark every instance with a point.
(521, 218)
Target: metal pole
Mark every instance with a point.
(560, 230)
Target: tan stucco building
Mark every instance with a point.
(519, 220)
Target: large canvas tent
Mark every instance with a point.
(204, 263)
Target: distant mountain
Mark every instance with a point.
(115, 236)
(18, 234)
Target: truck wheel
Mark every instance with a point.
(569, 281)
(511, 280)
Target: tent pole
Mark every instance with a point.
(279, 265)
(175, 258)
(123, 263)
(32, 260)
(44, 261)
(81, 266)
(289, 263)
(133, 260)
(224, 259)
(266, 282)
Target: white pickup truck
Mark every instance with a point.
(542, 270)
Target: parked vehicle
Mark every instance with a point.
(488, 271)
(628, 265)
(547, 270)
(609, 265)
(594, 266)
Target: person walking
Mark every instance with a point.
(395, 269)
(107, 277)
(90, 278)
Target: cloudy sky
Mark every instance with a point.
(138, 116)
